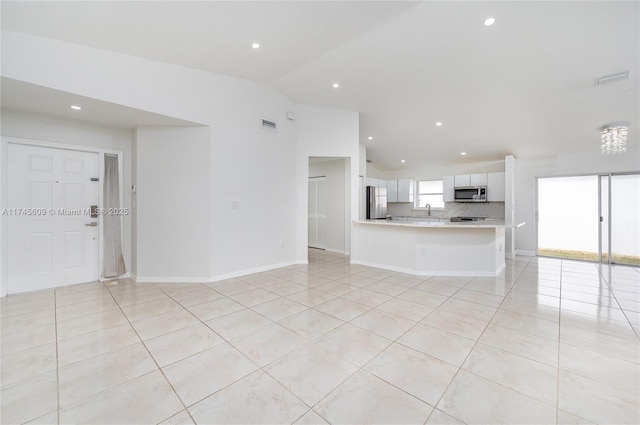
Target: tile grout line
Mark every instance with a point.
(212, 330)
(55, 318)
(259, 368)
(474, 346)
(362, 368)
(312, 341)
(608, 283)
(153, 358)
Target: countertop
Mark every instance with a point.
(484, 224)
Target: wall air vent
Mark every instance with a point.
(269, 125)
(612, 78)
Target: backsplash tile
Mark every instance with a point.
(451, 209)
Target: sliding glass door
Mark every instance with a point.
(594, 217)
(568, 217)
(620, 205)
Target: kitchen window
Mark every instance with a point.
(429, 192)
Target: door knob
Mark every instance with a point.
(92, 224)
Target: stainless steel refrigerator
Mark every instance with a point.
(376, 202)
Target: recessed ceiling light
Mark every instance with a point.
(336, 85)
(403, 161)
(439, 123)
(255, 45)
(489, 21)
(370, 137)
(463, 153)
(76, 107)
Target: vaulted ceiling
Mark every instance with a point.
(523, 86)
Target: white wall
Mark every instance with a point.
(172, 224)
(70, 132)
(325, 132)
(254, 168)
(336, 220)
(527, 170)
(255, 171)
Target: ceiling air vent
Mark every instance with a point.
(612, 78)
(268, 125)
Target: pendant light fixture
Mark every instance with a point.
(614, 138)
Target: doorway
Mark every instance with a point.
(590, 217)
(52, 237)
(329, 204)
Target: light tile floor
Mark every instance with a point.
(548, 341)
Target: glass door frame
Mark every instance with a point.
(601, 217)
(609, 214)
(601, 210)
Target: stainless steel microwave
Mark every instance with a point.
(470, 194)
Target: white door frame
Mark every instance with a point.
(4, 188)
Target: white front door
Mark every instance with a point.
(53, 240)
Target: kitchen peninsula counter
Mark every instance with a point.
(436, 223)
(431, 248)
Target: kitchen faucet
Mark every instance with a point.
(428, 207)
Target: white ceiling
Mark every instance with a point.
(23, 96)
(524, 86)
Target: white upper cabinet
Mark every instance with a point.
(462, 180)
(493, 181)
(392, 190)
(495, 187)
(376, 182)
(448, 183)
(405, 190)
(478, 179)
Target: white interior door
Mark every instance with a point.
(53, 241)
(317, 212)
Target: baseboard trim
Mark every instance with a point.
(171, 279)
(337, 251)
(525, 252)
(127, 275)
(430, 273)
(215, 278)
(254, 270)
